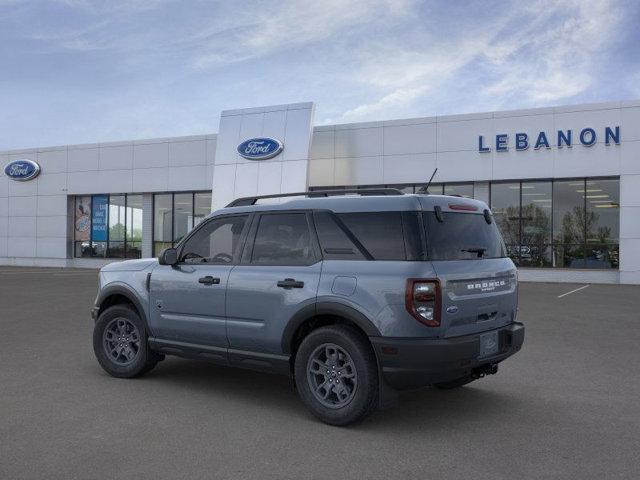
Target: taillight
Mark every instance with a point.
(422, 299)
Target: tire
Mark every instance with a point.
(131, 358)
(351, 390)
(457, 383)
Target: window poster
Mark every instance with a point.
(83, 219)
(99, 218)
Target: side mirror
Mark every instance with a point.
(169, 256)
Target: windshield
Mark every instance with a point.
(462, 236)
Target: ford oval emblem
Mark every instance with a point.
(452, 309)
(22, 170)
(260, 148)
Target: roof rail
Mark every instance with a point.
(246, 201)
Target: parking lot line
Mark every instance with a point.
(573, 291)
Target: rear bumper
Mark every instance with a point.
(416, 362)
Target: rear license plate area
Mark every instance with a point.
(489, 344)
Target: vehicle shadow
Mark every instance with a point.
(414, 411)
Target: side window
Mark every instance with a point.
(283, 239)
(217, 241)
(381, 233)
(334, 242)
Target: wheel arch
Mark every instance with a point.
(118, 294)
(320, 314)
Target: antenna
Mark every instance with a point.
(430, 180)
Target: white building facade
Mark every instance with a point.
(563, 183)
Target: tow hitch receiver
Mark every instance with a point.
(479, 372)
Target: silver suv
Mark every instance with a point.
(354, 296)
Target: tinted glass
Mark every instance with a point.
(535, 250)
(201, 207)
(462, 236)
(603, 211)
(334, 242)
(182, 215)
(162, 214)
(379, 232)
(117, 219)
(602, 223)
(134, 226)
(505, 205)
(569, 223)
(216, 242)
(283, 239)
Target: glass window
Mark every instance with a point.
(569, 223)
(379, 232)
(283, 239)
(82, 226)
(201, 207)
(134, 226)
(462, 189)
(535, 249)
(108, 226)
(215, 242)
(176, 214)
(182, 215)
(117, 219)
(462, 236)
(603, 223)
(162, 222)
(334, 242)
(505, 205)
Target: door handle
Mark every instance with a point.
(289, 283)
(209, 280)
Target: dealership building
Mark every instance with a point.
(563, 182)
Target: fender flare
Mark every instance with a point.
(326, 308)
(128, 293)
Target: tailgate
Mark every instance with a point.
(477, 295)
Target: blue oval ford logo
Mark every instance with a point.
(452, 309)
(22, 170)
(260, 148)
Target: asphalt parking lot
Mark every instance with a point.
(567, 406)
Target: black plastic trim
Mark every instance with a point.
(326, 308)
(120, 289)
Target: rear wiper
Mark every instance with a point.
(479, 250)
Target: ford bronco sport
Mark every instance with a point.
(353, 296)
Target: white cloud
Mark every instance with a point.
(556, 63)
(288, 24)
(544, 52)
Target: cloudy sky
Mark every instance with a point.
(80, 71)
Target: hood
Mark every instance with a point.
(130, 265)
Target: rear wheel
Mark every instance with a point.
(120, 343)
(336, 375)
(457, 383)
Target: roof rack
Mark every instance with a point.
(246, 201)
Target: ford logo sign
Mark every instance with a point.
(22, 170)
(260, 148)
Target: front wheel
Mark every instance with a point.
(336, 375)
(120, 343)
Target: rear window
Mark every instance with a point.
(462, 236)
